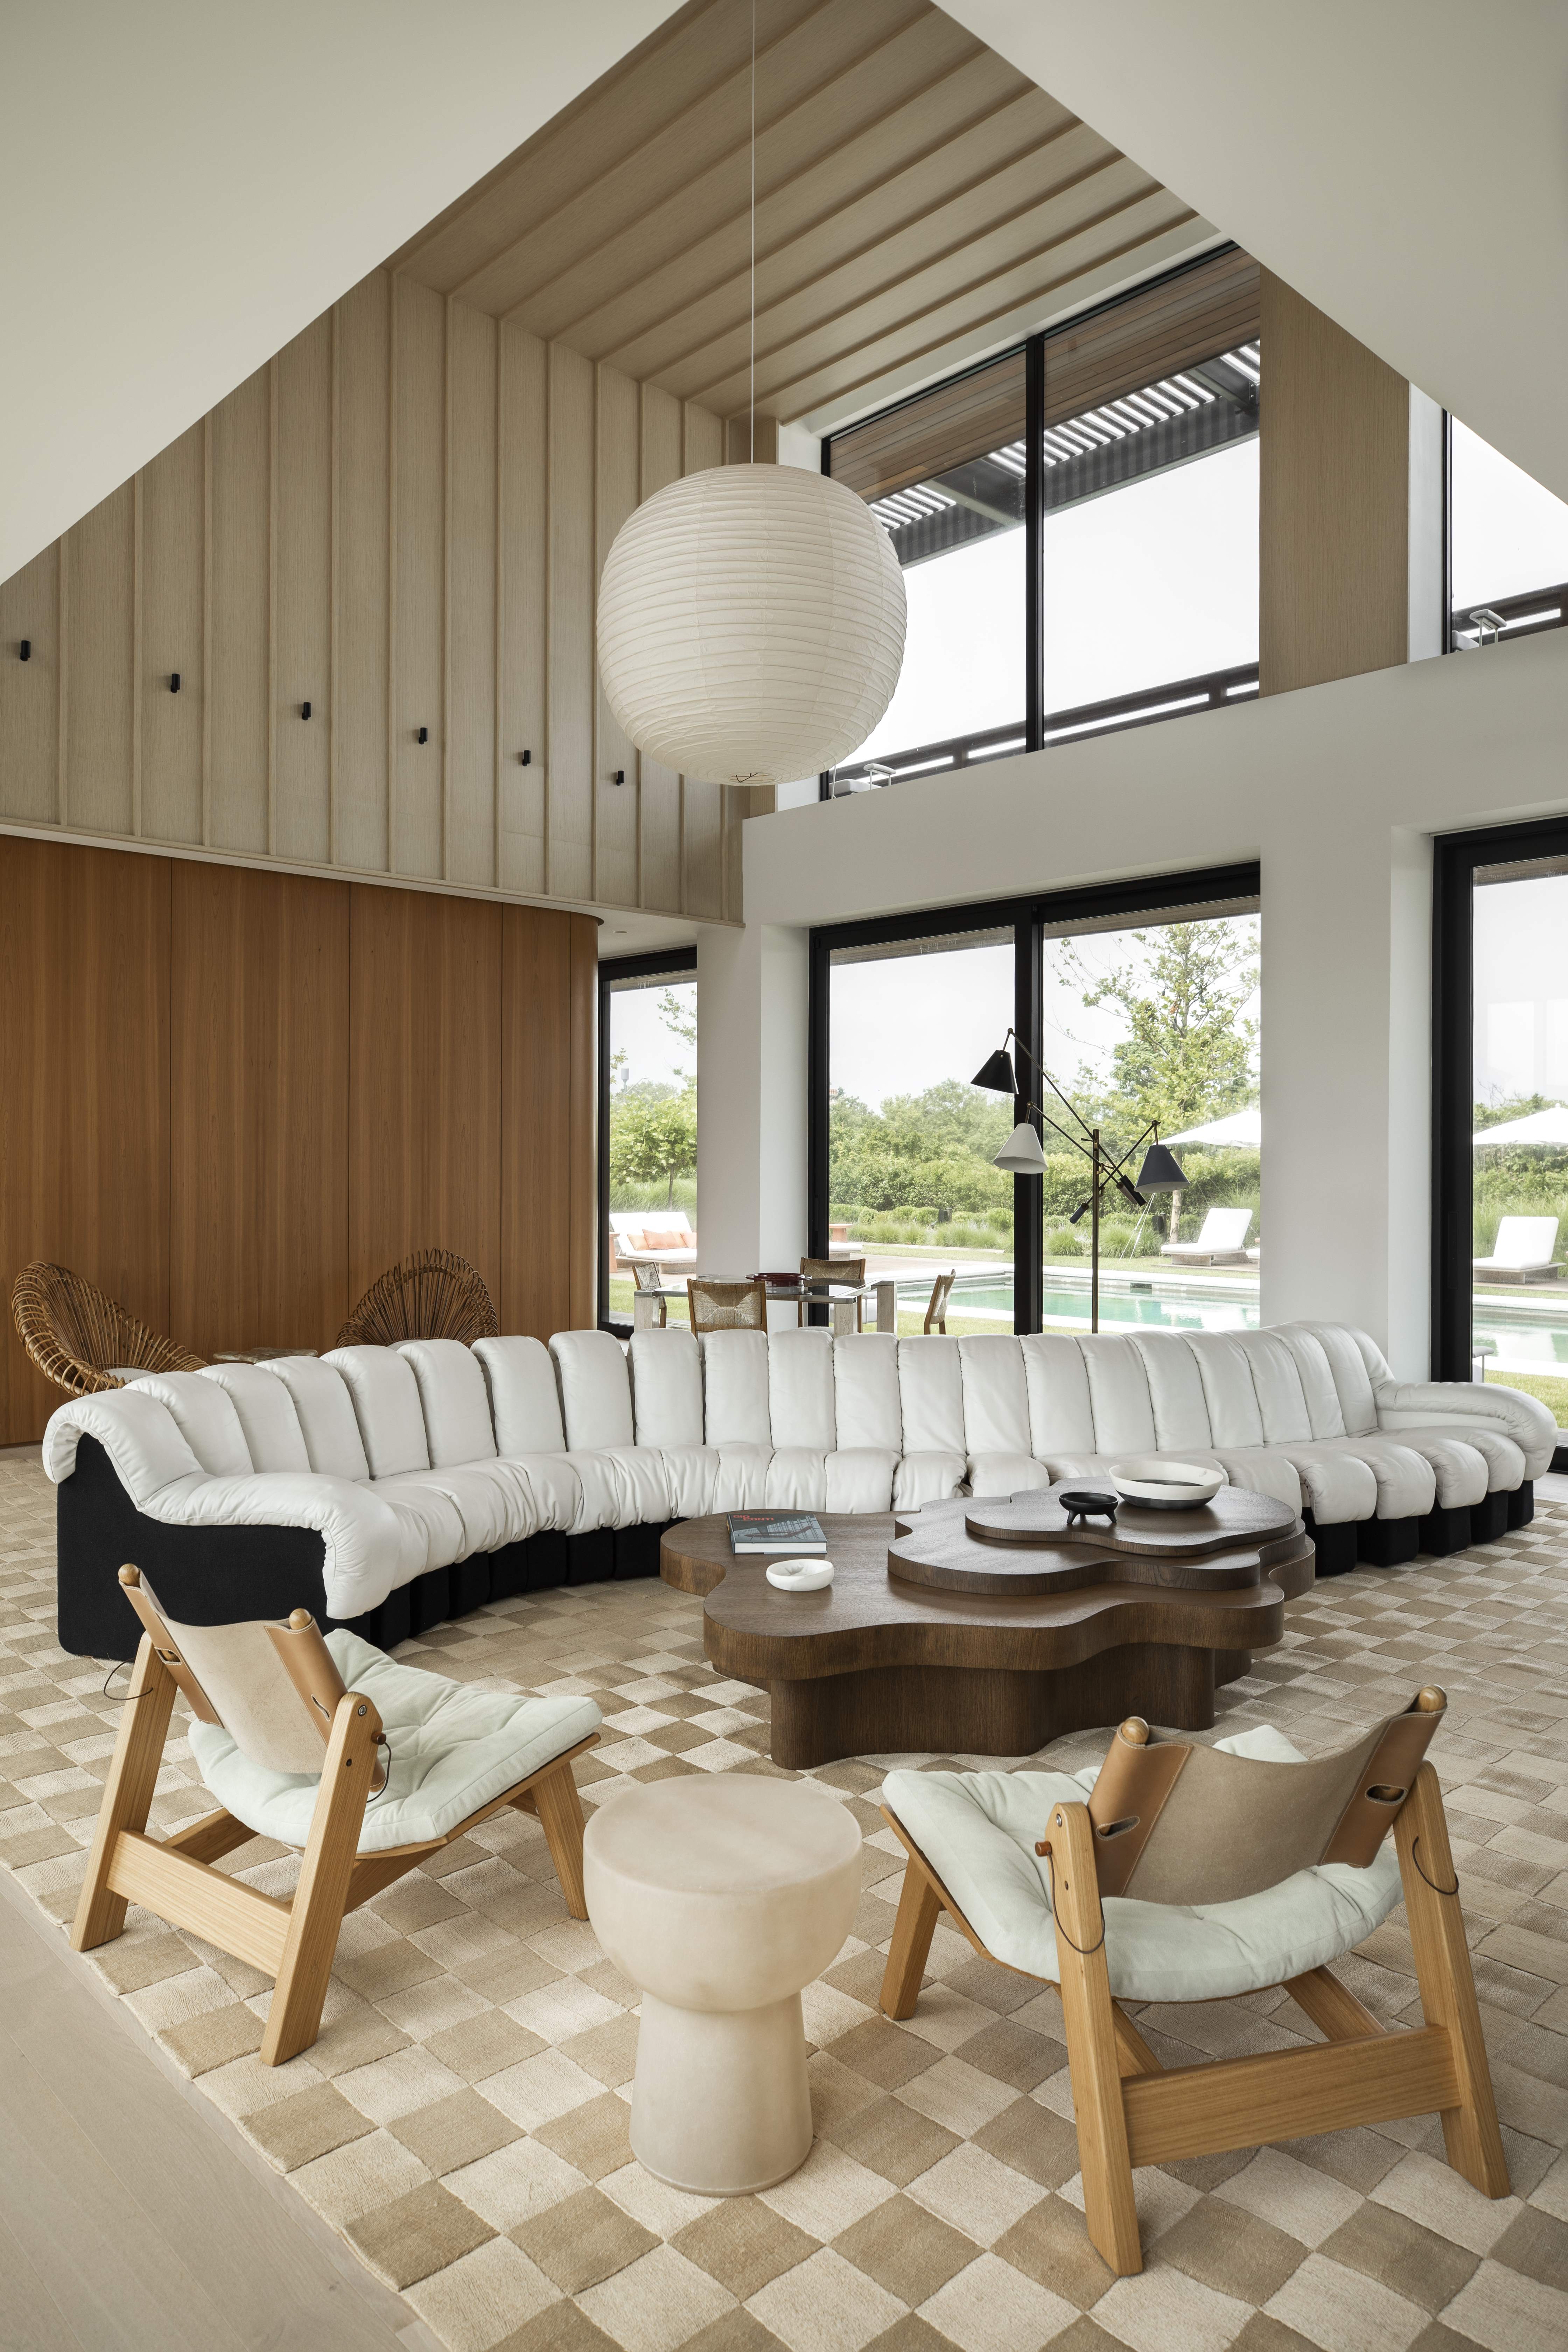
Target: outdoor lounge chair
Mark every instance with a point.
(368, 1781)
(1178, 1873)
(1522, 1251)
(1222, 1240)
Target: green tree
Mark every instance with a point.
(653, 1137)
(1190, 1052)
(680, 1019)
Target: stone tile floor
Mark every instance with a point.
(462, 2120)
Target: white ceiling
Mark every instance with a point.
(184, 186)
(1404, 164)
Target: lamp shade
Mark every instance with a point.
(1160, 1171)
(996, 1073)
(751, 624)
(1021, 1154)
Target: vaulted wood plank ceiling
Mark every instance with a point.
(912, 190)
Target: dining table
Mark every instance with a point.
(844, 1302)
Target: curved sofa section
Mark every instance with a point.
(385, 1488)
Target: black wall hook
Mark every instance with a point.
(422, 735)
(525, 759)
(304, 710)
(26, 654)
(619, 777)
(174, 682)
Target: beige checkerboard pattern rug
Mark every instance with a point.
(462, 2120)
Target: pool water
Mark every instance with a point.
(1186, 1310)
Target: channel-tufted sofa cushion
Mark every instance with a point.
(407, 1461)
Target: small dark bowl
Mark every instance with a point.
(1088, 1503)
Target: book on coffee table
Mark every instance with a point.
(775, 1531)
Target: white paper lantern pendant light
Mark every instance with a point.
(751, 625)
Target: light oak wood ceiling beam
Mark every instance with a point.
(911, 186)
(826, 285)
(859, 134)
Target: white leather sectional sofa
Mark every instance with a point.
(388, 1488)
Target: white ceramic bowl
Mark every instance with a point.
(807, 1575)
(1149, 1479)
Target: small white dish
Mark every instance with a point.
(808, 1575)
(1159, 1484)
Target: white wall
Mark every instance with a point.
(184, 186)
(1400, 164)
(1336, 790)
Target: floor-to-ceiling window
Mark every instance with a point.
(1131, 1009)
(1508, 547)
(648, 1131)
(1078, 527)
(1502, 1140)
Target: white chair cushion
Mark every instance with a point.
(326, 1411)
(977, 1830)
(454, 1399)
(1119, 1389)
(995, 1396)
(595, 1389)
(800, 1389)
(272, 1433)
(865, 1391)
(454, 1748)
(525, 1403)
(930, 1396)
(387, 1406)
(667, 1387)
(205, 1416)
(922, 1478)
(735, 1389)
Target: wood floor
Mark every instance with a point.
(128, 2223)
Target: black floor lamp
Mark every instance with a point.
(1024, 1155)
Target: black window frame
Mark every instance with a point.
(1141, 709)
(1455, 859)
(1153, 897)
(672, 964)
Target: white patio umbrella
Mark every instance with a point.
(1546, 1126)
(1244, 1128)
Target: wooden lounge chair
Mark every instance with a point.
(1026, 1865)
(1522, 1251)
(395, 1769)
(1223, 1239)
(82, 1339)
(434, 1294)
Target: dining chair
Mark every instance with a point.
(831, 1269)
(651, 1277)
(726, 1306)
(1179, 1873)
(936, 1313)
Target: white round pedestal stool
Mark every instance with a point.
(722, 1898)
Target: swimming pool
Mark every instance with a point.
(1159, 1308)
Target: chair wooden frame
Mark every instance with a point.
(294, 1942)
(1131, 2110)
(936, 1311)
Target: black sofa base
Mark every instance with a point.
(1389, 1543)
(206, 1576)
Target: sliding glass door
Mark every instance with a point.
(1501, 1155)
(648, 1130)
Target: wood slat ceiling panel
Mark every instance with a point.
(911, 187)
(1033, 284)
(870, 128)
(882, 279)
(868, 205)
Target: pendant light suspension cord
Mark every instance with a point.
(751, 394)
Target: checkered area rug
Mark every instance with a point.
(462, 2120)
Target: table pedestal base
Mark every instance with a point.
(981, 1711)
(721, 2103)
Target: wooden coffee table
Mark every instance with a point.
(985, 1627)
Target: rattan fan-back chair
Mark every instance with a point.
(368, 1783)
(434, 1294)
(1225, 1861)
(73, 1331)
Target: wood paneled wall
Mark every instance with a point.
(1334, 500)
(400, 520)
(233, 1097)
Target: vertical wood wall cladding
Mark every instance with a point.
(258, 1107)
(1333, 499)
(425, 1027)
(84, 1085)
(401, 520)
(231, 1098)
